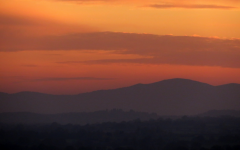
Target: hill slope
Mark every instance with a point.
(167, 97)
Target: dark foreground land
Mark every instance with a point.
(186, 133)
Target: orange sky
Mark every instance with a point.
(70, 47)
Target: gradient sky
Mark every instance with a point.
(76, 46)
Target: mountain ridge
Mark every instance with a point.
(167, 97)
(134, 85)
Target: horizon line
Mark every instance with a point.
(118, 87)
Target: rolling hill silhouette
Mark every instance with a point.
(167, 97)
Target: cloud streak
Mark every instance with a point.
(74, 78)
(13, 25)
(168, 6)
(155, 49)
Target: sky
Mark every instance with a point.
(77, 46)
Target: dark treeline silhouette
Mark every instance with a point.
(220, 113)
(114, 115)
(185, 133)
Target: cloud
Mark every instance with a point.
(107, 61)
(74, 78)
(101, 1)
(175, 59)
(15, 20)
(19, 33)
(155, 49)
(160, 1)
(12, 25)
(167, 6)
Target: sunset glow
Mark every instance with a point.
(76, 46)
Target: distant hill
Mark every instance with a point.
(115, 115)
(167, 97)
(221, 113)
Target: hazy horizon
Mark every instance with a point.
(119, 87)
(167, 97)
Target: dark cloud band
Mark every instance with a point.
(187, 50)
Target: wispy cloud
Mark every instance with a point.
(73, 78)
(168, 6)
(107, 61)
